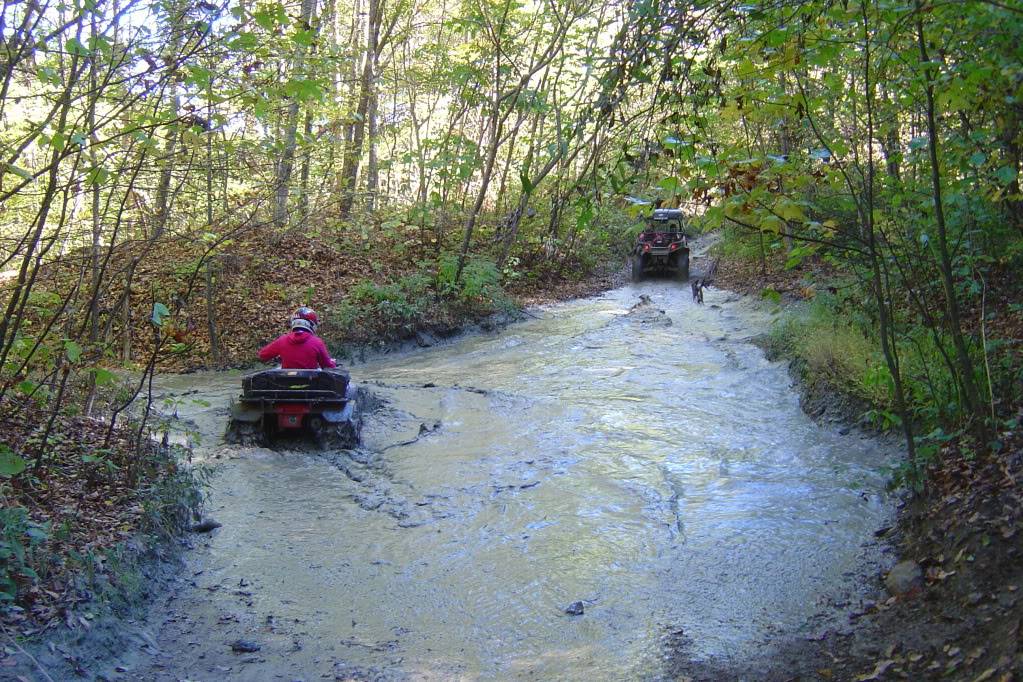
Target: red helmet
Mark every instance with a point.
(308, 314)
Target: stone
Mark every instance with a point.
(576, 608)
(205, 526)
(904, 577)
(244, 646)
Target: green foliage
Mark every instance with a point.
(20, 540)
(398, 302)
(11, 464)
(479, 284)
(835, 350)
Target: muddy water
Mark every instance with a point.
(653, 466)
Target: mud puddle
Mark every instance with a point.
(649, 467)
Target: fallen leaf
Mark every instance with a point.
(879, 670)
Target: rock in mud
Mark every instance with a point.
(644, 312)
(205, 526)
(905, 577)
(576, 608)
(244, 646)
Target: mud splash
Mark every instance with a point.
(653, 466)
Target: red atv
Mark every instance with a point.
(321, 403)
(662, 246)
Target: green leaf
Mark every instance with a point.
(527, 186)
(100, 43)
(771, 295)
(303, 89)
(198, 76)
(10, 463)
(265, 19)
(977, 159)
(670, 185)
(585, 218)
(772, 223)
(75, 46)
(160, 311)
(1006, 174)
(245, 41)
(37, 534)
(48, 75)
(102, 377)
(96, 176)
(918, 142)
(790, 210)
(73, 350)
(20, 172)
(303, 38)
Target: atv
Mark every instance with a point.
(321, 403)
(662, 246)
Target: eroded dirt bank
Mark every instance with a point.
(651, 469)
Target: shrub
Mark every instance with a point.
(479, 283)
(836, 350)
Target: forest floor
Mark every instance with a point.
(84, 530)
(958, 614)
(369, 292)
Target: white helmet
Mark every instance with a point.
(299, 323)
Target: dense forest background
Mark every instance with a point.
(178, 175)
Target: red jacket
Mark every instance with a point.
(298, 350)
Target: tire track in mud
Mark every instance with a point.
(380, 489)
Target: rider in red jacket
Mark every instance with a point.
(300, 348)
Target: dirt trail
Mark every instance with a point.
(649, 468)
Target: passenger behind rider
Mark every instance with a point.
(300, 348)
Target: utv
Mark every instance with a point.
(662, 246)
(321, 403)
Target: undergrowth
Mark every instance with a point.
(80, 531)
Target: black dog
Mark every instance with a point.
(697, 285)
(700, 282)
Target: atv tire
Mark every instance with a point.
(342, 436)
(250, 434)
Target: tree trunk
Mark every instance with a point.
(887, 332)
(287, 162)
(353, 154)
(971, 395)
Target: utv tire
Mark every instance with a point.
(637, 268)
(682, 274)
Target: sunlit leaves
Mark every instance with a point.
(788, 209)
(271, 16)
(48, 75)
(74, 46)
(303, 38)
(198, 76)
(102, 377)
(303, 89)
